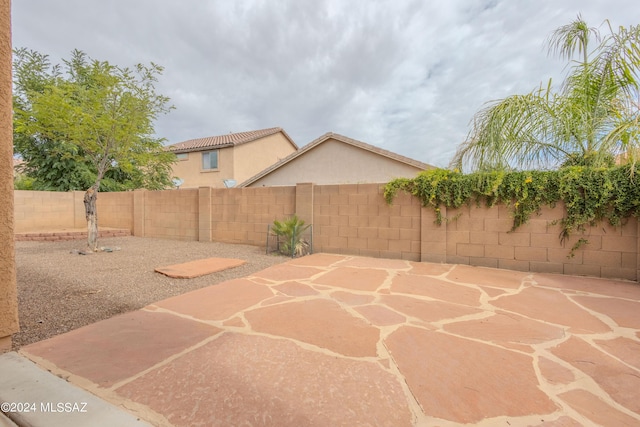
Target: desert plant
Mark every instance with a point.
(289, 233)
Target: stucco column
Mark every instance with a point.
(8, 289)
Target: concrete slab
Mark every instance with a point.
(38, 398)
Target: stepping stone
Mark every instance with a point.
(201, 267)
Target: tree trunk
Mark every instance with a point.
(92, 218)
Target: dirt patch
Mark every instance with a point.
(59, 290)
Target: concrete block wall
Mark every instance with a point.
(115, 210)
(169, 214)
(482, 236)
(47, 210)
(351, 219)
(355, 219)
(241, 215)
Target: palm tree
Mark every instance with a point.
(591, 120)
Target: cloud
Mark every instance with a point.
(406, 76)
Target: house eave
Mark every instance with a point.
(194, 150)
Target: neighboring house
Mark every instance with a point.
(236, 156)
(336, 159)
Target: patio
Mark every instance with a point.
(342, 340)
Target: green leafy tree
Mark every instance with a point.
(589, 121)
(88, 125)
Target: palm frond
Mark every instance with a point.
(592, 116)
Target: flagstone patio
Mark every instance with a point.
(341, 340)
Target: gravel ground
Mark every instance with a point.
(59, 291)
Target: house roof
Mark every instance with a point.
(341, 138)
(226, 140)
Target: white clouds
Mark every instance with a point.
(407, 76)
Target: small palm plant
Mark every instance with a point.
(290, 240)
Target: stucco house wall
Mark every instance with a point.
(336, 159)
(253, 157)
(238, 157)
(8, 290)
(191, 172)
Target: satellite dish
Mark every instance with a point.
(177, 182)
(229, 183)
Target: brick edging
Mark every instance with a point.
(68, 235)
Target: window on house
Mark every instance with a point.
(182, 156)
(210, 160)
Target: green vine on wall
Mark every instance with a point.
(590, 195)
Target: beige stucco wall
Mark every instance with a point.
(334, 162)
(240, 162)
(191, 172)
(253, 157)
(8, 292)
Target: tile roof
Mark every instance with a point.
(341, 138)
(226, 140)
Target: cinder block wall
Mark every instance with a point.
(47, 210)
(170, 214)
(351, 219)
(482, 236)
(355, 219)
(241, 215)
(115, 210)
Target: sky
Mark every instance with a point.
(403, 75)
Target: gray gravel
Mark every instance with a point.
(59, 291)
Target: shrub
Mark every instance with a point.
(289, 234)
(590, 194)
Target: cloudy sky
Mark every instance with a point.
(404, 75)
